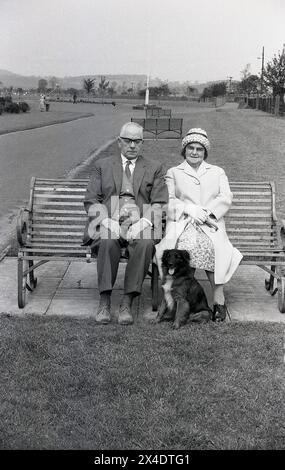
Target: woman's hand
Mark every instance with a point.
(201, 215)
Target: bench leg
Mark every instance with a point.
(269, 283)
(22, 282)
(154, 286)
(281, 294)
(33, 280)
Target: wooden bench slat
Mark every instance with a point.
(63, 189)
(58, 233)
(253, 215)
(56, 251)
(249, 183)
(251, 208)
(57, 203)
(60, 196)
(53, 245)
(62, 181)
(246, 222)
(58, 211)
(252, 237)
(59, 226)
(252, 193)
(260, 262)
(59, 219)
(252, 200)
(47, 239)
(264, 254)
(249, 230)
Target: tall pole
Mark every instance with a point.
(262, 71)
(146, 101)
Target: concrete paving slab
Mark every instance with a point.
(52, 269)
(37, 302)
(84, 275)
(82, 303)
(247, 298)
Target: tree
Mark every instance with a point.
(114, 85)
(191, 90)
(103, 85)
(163, 90)
(71, 91)
(251, 84)
(42, 85)
(20, 91)
(88, 84)
(274, 75)
(217, 89)
(111, 91)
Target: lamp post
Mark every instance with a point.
(146, 100)
(262, 70)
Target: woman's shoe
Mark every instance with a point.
(220, 312)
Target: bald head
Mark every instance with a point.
(131, 128)
(130, 140)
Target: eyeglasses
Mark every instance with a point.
(129, 141)
(193, 149)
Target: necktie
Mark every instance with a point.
(127, 170)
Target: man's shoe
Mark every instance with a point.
(220, 312)
(125, 317)
(103, 314)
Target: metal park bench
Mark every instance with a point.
(51, 228)
(157, 126)
(254, 229)
(157, 112)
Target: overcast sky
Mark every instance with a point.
(171, 39)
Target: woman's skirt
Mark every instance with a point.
(199, 246)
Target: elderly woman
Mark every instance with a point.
(199, 197)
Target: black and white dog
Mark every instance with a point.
(184, 297)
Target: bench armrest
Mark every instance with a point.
(22, 226)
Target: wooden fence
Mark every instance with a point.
(269, 104)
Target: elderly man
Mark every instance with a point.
(124, 202)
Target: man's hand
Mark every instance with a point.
(136, 228)
(113, 226)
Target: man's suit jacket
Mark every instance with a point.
(150, 191)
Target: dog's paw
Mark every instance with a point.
(150, 317)
(176, 325)
(200, 317)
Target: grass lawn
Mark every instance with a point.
(72, 384)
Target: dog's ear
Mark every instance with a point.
(164, 256)
(186, 255)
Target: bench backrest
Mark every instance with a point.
(59, 217)
(160, 124)
(157, 112)
(58, 214)
(251, 221)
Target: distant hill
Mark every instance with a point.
(15, 80)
